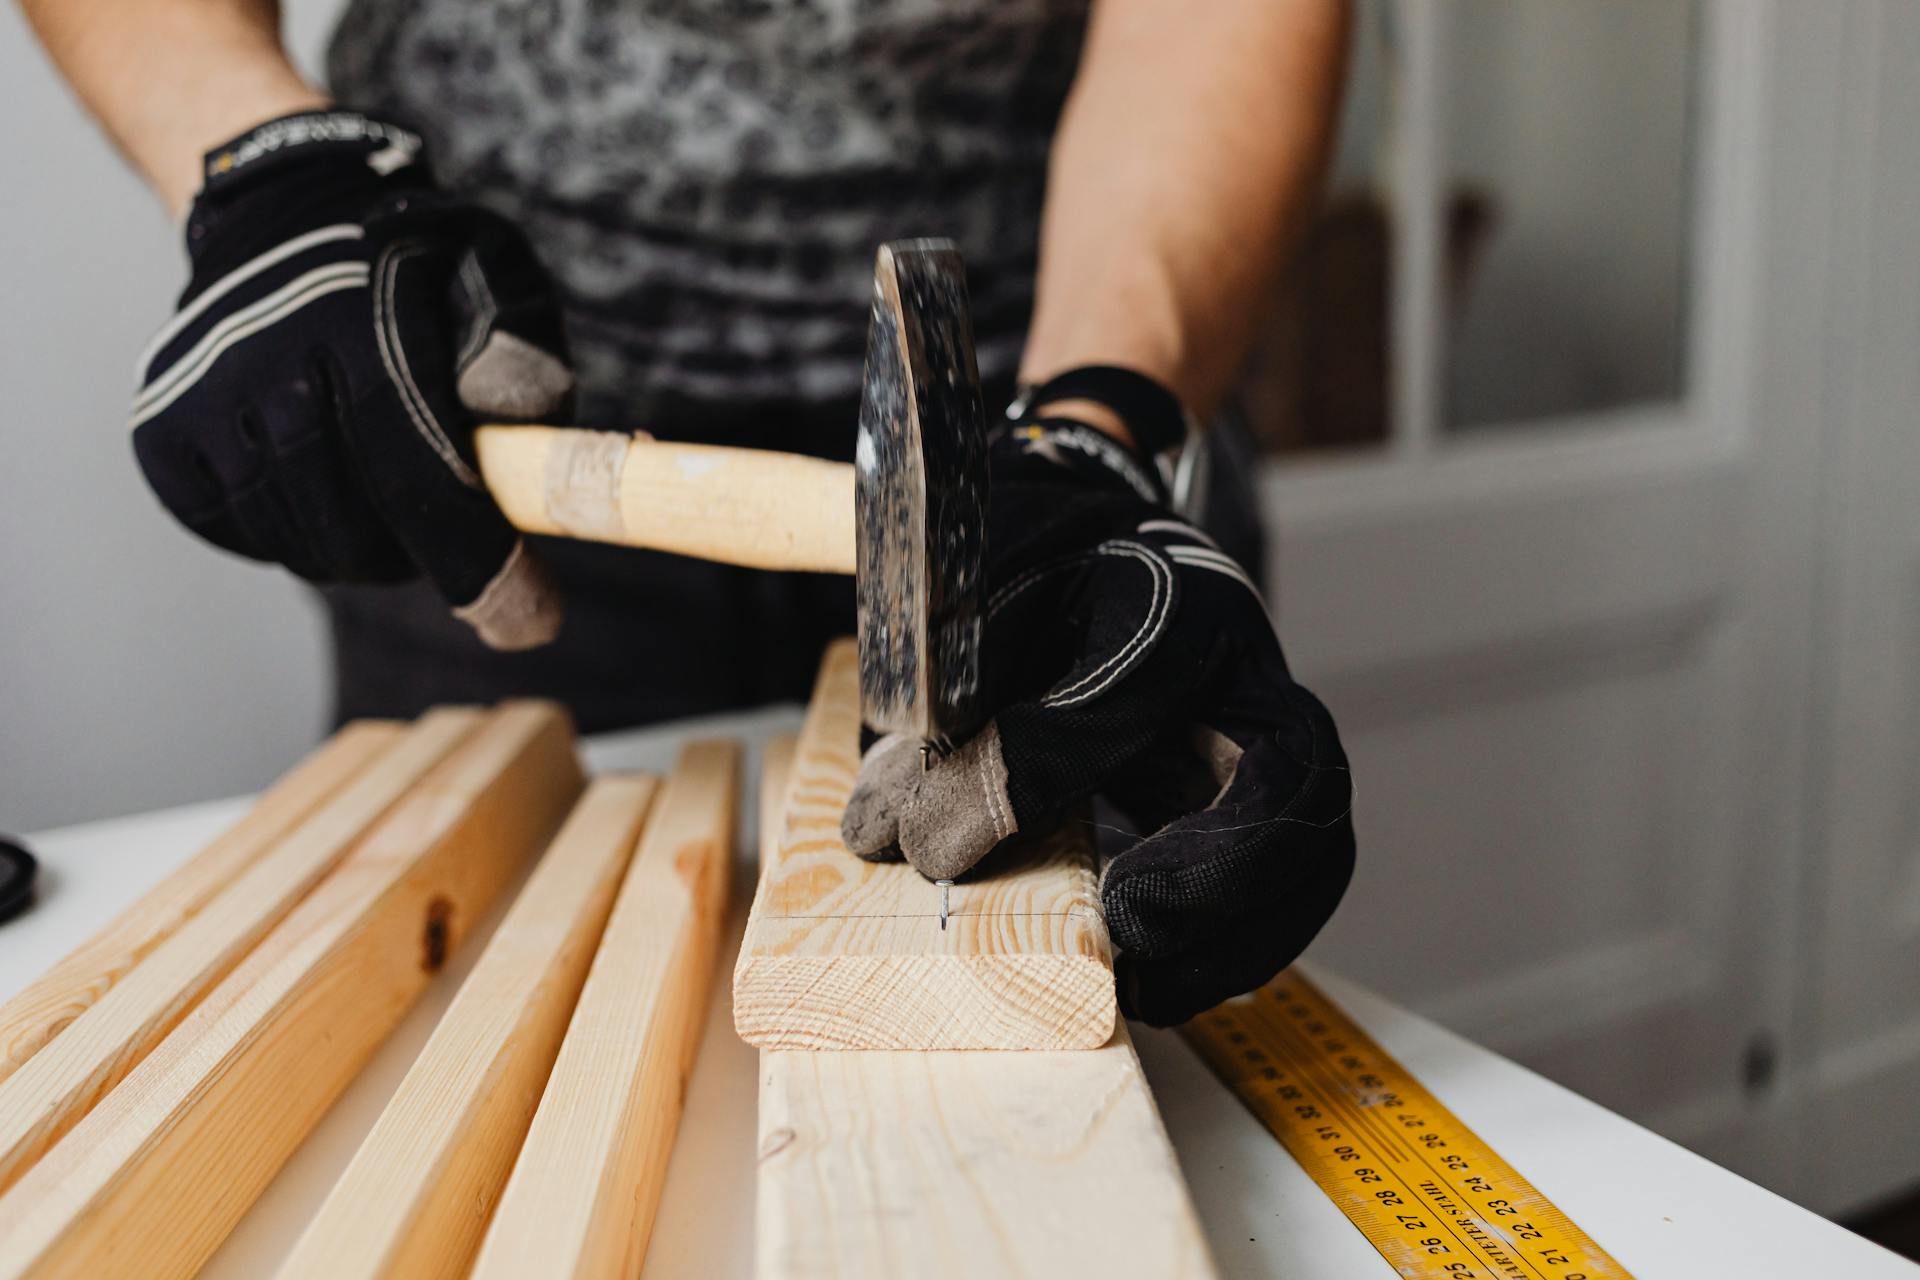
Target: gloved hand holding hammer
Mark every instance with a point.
(312, 401)
(1130, 657)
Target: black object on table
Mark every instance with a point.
(16, 878)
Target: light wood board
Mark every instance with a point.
(50, 1093)
(79, 979)
(845, 954)
(776, 768)
(581, 1199)
(899, 1165)
(423, 1185)
(154, 1177)
(962, 1164)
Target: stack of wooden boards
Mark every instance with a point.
(154, 1081)
(898, 1135)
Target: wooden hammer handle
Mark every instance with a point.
(749, 507)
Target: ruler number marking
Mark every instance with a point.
(1387, 1198)
(1333, 1097)
(1489, 1242)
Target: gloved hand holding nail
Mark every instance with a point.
(1129, 657)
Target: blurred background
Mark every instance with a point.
(1589, 422)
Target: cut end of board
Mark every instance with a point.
(845, 954)
(950, 1003)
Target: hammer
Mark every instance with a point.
(907, 518)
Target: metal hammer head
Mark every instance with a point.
(921, 509)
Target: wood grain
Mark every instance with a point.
(423, 1185)
(46, 1096)
(581, 1199)
(154, 1177)
(900, 1165)
(72, 986)
(962, 1164)
(845, 954)
(752, 507)
(776, 767)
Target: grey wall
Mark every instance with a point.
(137, 666)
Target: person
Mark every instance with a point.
(662, 214)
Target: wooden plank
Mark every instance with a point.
(962, 1164)
(72, 986)
(901, 1165)
(154, 1177)
(844, 954)
(419, 1192)
(49, 1094)
(776, 767)
(581, 1199)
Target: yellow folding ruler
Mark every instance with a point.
(1430, 1195)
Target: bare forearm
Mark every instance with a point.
(171, 79)
(1184, 170)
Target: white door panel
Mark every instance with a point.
(1570, 658)
(1633, 693)
(1535, 694)
(1362, 590)
(1864, 1082)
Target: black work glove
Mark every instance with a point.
(312, 401)
(1129, 656)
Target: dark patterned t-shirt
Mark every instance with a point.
(708, 179)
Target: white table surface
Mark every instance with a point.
(1662, 1211)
